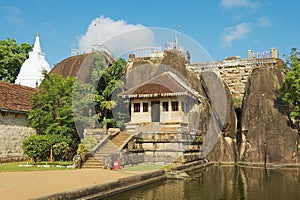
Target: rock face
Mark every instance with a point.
(219, 141)
(266, 136)
(81, 66)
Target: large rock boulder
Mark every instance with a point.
(219, 141)
(267, 136)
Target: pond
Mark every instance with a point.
(225, 182)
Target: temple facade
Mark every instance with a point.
(165, 99)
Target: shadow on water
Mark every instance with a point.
(225, 182)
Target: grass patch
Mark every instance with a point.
(40, 166)
(144, 167)
(237, 102)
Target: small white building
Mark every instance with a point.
(31, 71)
(165, 99)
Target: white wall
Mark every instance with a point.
(169, 116)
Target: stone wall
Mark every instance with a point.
(235, 71)
(14, 128)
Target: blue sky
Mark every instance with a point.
(223, 27)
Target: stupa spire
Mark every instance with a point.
(37, 45)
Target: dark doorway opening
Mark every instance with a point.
(155, 111)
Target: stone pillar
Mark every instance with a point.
(274, 52)
(250, 54)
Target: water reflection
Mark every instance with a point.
(223, 183)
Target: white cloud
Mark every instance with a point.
(13, 10)
(264, 22)
(237, 32)
(13, 16)
(119, 36)
(238, 3)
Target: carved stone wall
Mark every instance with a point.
(235, 72)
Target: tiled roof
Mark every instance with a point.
(14, 97)
(165, 84)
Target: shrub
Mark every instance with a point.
(38, 147)
(62, 151)
(81, 149)
(89, 142)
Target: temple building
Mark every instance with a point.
(31, 71)
(165, 98)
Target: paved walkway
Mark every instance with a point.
(24, 185)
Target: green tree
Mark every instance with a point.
(52, 107)
(12, 56)
(84, 106)
(108, 80)
(290, 89)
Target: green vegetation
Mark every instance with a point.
(62, 151)
(107, 81)
(30, 166)
(52, 117)
(290, 89)
(86, 145)
(12, 56)
(83, 103)
(62, 108)
(81, 149)
(97, 96)
(237, 102)
(52, 107)
(39, 147)
(89, 142)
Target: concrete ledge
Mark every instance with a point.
(124, 188)
(135, 181)
(107, 189)
(268, 165)
(192, 166)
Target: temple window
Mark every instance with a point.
(145, 107)
(165, 106)
(174, 105)
(136, 107)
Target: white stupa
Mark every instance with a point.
(31, 70)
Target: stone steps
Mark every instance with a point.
(104, 151)
(111, 147)
(92, 163)
(119, 139)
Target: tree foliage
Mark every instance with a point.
(92, 102)
(12, 56)
(81, 149)
(52, 107)
(84, 106)
(290, 89)
(107, 81)
(39, 147)
(89, 142)
(62, 151)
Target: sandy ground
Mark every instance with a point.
(24, 185)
